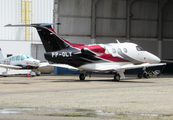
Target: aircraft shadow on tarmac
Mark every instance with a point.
(15, 83)
(103, 80)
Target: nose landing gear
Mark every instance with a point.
(144, 74)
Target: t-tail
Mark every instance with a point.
(51, 41)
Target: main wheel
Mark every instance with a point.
(32, 74)
(82, 76)
(116, 77)
(38, 73)
(140, 75)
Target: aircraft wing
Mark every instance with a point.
(64, 66)
(44, 64)
(10, 66)
(128, 66)
(131, 66)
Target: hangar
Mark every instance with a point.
(148, 23)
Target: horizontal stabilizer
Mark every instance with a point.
(33, 25)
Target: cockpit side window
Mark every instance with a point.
(29, 56)
(139, 48)
(26, 57)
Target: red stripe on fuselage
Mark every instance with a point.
(112, 58)
(51, 29)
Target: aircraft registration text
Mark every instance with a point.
(63, 54)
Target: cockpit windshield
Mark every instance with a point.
(139, 48)
(25, 56)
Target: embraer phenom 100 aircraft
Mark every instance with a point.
(18, 62)
(115, 57)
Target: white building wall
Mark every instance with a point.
(10, 13)
(15, 47)
(42, 13)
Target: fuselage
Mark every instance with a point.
(93, 57)
(23, 60)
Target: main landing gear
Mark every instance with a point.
(82, 76)
(117, 77)
(35, 72)
(146, 74)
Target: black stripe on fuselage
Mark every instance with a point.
(71, 56)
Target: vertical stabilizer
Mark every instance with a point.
(1, 55)
(51, 41)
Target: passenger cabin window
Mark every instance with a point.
(113, 50)
(14, 58)
(139, 48)
(125, 50)
(18, 58)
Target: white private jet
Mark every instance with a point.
(115, 57)
(18, 62)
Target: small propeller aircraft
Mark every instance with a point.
(112, 57)
(18, 62)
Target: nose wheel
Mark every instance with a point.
(145, 75)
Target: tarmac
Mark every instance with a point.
(65, 97)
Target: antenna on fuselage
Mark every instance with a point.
(117, 41)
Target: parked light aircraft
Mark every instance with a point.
(18, 62)
(115, 57)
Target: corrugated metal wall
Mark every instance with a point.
(168, 20)
(144, 19)
(75, 16)
(111, 18)
(146, 22)
(10, 13)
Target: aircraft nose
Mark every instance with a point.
(153, 59)
(148, 57)
(37, 63)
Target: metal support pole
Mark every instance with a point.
(93, 21)
(56, 16)
(160, 26)
(128, 15)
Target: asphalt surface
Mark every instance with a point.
(66, 97)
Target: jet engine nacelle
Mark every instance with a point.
(93, 50)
